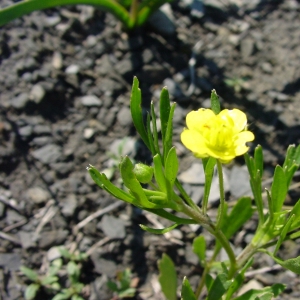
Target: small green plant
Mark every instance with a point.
(237, 83)
(216, 137)
(122, 285)
(132, 13)
(52, 281)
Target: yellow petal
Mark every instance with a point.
(239, 118)
(194, 141)
(196, 119)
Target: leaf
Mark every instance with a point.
(215, 102)
(49, 280)
(186, 290)
(292, 156)
(296, 211)
(259, 160)
(101, 180)
(32, 275)
(275, 289)
(218, 287)
(167, 142)
(209, 172)
(199, 248)
(159, 174)
(238, 280)
(31, 291)
(292, 264)
(284, 232)
(112, 286)
(154, 130)
(164, 106)
(167, 277)
(25, 7)
(158, 231)
(171, 166)
(278, 189)
(136, 111)
(240, 213)
(164, 214)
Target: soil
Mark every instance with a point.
(65, 77)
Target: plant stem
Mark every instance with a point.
(133, 12)
(221, 210)
(205, 272)
(206, 222)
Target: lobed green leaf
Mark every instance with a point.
(219, 287)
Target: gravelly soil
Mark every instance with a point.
(65, 77)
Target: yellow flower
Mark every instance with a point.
(222, 136)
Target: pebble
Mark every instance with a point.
(37, 93)
(88, 133)
(163, 20)
(38, 195)
(239, 182)
(57, 60)
(112, 227)
(124, 116)
(20, 101)
(194, 175)
(72, 69)
(91, 100)
(10, 261)
(48, 154)
(53, 237)
(26, 239)
(69, 204)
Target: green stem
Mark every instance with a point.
(221, 210)
(205, 272)
(186, 197)
(133, 12)
(206, 222)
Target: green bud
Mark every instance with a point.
(143, 173)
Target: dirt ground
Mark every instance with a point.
(65, 78)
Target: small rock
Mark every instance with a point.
(25, 131)
(57, 60)
(20, 101)
(51, 21)
(26, 239)
(69, 204)
(88, 133)
(125, 146)
(104, 266)
(247, 48)
(53, 253)
(91, 100)
(173, 87)
(124, 116)
(37, 93)
(10, 261)
(72, 69)
(197, 9)
(13, 217)
(48, 154)
(38, 195)
(51, 238)
(194, 175)
(112, 227)
(163, 20)
(267, 67)
(239, 182)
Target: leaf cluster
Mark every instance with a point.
(132, 13)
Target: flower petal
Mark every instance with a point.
(194, 141)
(197, 118)
(239, 118)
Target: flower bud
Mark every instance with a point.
(143, 173)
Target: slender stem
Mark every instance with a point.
(206, 222)
(221, 210)
(186, 197)
(133, 12)
(205, 272)
(245, 255)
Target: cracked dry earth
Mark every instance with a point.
(65, 78)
